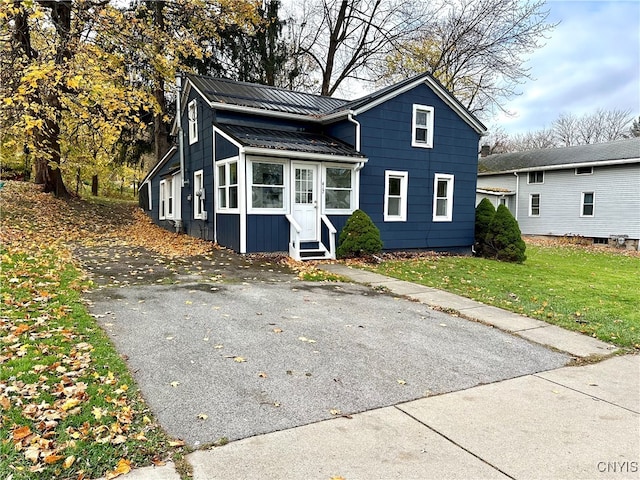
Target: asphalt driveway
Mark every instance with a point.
(234, 347)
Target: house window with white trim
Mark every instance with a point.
(584, 170)
(443, 198)
(338, 190)
(534, 205)
(395, 196)
(267, 184)
(166, 199)
(198, 195)
(536, 177)
(588, 203)
(227, 186)
(422, 127)
(192, 115)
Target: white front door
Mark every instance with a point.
(305, 200)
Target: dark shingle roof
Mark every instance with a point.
(555, 157)
(294, 141)
(218, 90)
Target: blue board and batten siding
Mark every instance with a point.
(386, 141)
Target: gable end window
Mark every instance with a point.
(422, 127)
(588, 204)
(443, 198)
(395, 196)
(534, 205)
(536, 177)
(192, 114)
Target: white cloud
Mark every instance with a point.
(591, 61)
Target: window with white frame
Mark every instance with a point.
(443, 197)
(267, 184)
(534, 205)
(199, 195)
(338, 189)
(536, 177)
(588, 203)
(227, 185)
(192, 115)
(395, 196)
(166, 199)
(584, 170)
(422, 126)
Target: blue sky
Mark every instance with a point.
(590, 61)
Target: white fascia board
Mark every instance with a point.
(270, 152)
(438, 90)
(160, 164)
(566, 166)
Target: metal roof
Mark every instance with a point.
(287, 140)
(619, 150)
(264, 97)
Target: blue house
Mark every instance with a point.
(262, 169)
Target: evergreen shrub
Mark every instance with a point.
(359, 237)
(485, 211)
(504, 239)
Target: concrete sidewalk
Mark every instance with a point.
(570, 423)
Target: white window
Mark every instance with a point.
(192, 114)
(588, 204)
(442, 198)
(199, 195)
(267, 185)
(227, 185)
(534, 205)
(536, 177)
(395, 196)
(166, 199)
(422, 127)
(584, 171)
(338, 190)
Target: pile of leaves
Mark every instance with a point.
(68, 405)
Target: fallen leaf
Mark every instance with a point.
(262, 375)
(122, 468)
(402, 382)
(203, 416)
(277, 330)
(176, 443)
(335, 411)
(174, 384)
(239, 359)
(20, 433)
(68, 461)
(49, 459)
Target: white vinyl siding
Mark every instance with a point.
(443, 198)
(422, 126)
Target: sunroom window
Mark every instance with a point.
(227, 185)
(338, 194)
(267, 186)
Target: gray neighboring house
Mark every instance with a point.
(590, 191)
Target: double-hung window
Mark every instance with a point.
(422, 127)
(395, 196)
(536, 177)
(338, 190)
(192, 115)
(267, 187)
(198, 195)
(166, 199)
(534, 205)
(588, 204)
(227, 185)
(442, 198)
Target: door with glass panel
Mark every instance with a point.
(305, 200)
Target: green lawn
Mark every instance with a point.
(595, 292)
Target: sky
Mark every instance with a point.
(591, 60)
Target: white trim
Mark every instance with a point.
(404, 181)
(448, 217)
(286, 186)
(199, 196)
(192, 121)
(428, 127)
(227, 174)
(242, 199)
(590, 167)
(353, 190)
(160, 164)
(317, 169)
(529, 182)
(530, 212)
(593, 204)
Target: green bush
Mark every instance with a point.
(485, 211)
(504, 239)
(359, 237)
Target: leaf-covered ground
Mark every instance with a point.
(68, 405)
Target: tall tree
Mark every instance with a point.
(344, 39)
(475, 48)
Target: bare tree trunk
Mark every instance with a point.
(94, 185)
(160, 128)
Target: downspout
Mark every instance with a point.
(180, 130)
(357, 124)
(517, 193)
